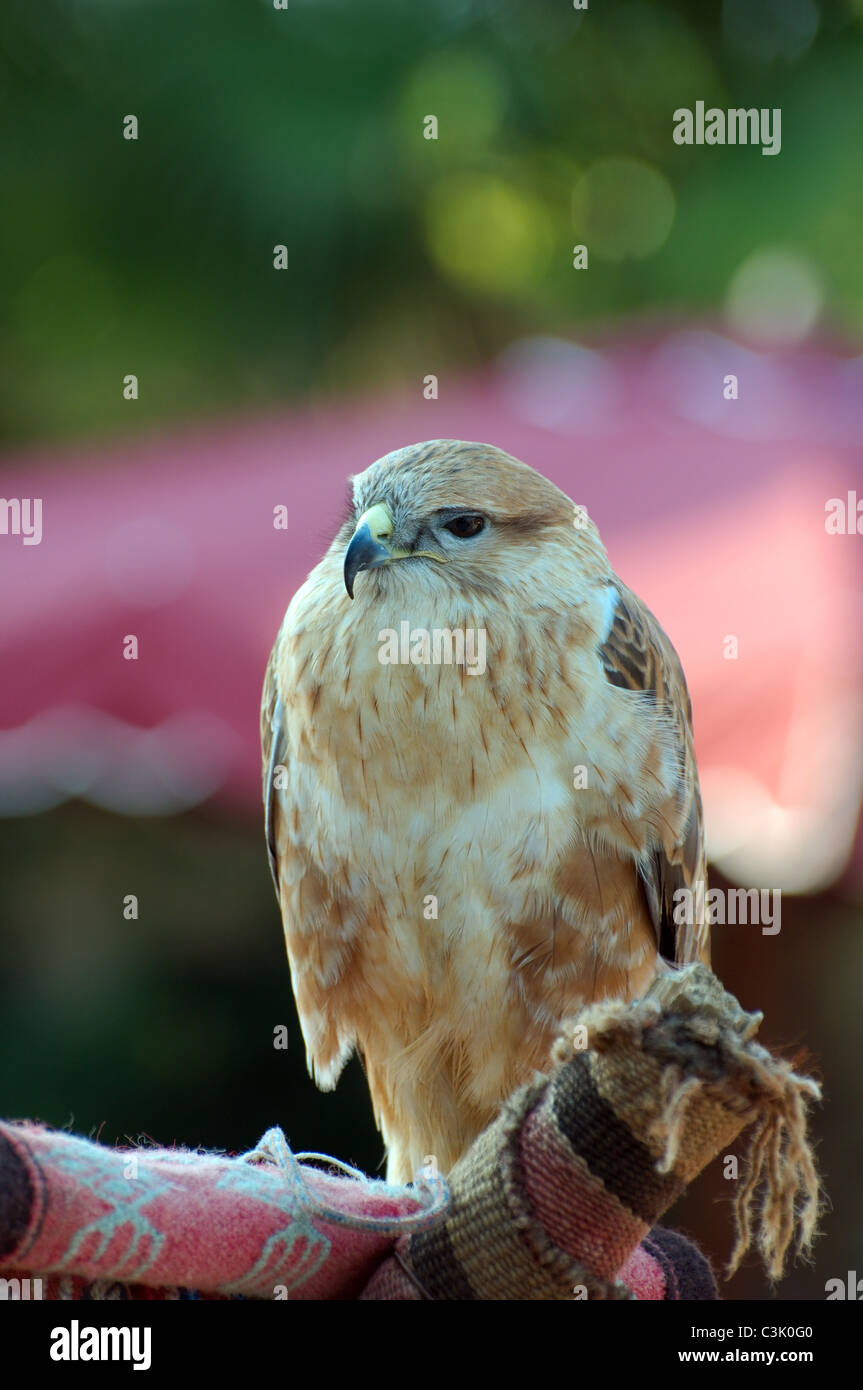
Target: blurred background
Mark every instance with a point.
(429, 292)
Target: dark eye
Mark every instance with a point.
(464, 526)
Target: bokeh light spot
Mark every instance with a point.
(558, 385)
(464, 91)
(774, 298)
(488, 234)
(623, 208)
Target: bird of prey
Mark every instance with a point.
(467, 849)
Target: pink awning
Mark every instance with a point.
(713, 510)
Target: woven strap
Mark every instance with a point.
(558, 1192)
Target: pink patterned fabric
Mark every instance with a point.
(173, 1218)
(93, 1222)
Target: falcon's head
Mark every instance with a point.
(465, 510)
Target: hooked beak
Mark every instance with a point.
(369, 546)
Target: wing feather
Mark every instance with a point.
(272, 749)
(637, 655)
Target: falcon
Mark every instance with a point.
(466, 852)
